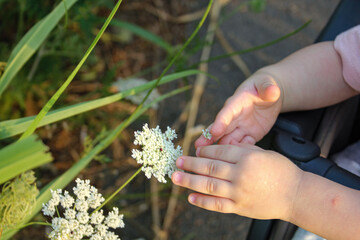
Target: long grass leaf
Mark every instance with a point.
(63, 180)
(31, 42)
(22, 156)
(13, 127)
(58, 93)
(248, 50)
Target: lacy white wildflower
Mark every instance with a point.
(95, 199)
(101, 229)
(82, 217)
(81, 205)
(114, 219)
(70, 214)
(96, 237)
(97, 217)
(207, 134)
(77, 223)
(158, 153)
(82, 189)
(49, 208)
(111, 236)
(66, 200)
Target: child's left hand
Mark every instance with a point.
(245, 180)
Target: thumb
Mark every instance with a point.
(268, 89)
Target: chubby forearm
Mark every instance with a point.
(310, 78)
(326, 208)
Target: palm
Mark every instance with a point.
(245, 118)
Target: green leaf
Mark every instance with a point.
(11, 128)
(258, 5)
(58, 93)
(31, 42)
(248, 50)
(22, 156)
(143, 34)
(63, 180)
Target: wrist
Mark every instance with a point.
(295, 195)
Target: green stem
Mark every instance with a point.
(118, 190)
(57, 211)
(254, 48)
(34, 223)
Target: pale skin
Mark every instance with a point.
(235, 176)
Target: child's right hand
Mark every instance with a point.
(249, 114)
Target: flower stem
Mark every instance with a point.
(118, 190)
(34, 223)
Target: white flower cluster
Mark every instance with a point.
(207, 134)
(76, 223)
(158, 154)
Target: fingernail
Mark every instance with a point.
(192, 199)
(180, 163)
(198, 151)
(177, 177)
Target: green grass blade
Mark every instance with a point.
(13, 127)
(151, 37)
(63, 180)
(22, 156)
(268, 44)
(31, 42)
(58, 93)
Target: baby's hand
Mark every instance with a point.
(245, 180)
(248, 115)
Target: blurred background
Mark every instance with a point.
(126, 56)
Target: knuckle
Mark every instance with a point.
(210, 186)
(228, 101)
(218, 153)
(218, 205)
(211, 168)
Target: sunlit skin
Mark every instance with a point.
(235, 176)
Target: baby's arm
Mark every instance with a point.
(311, 78)
(327, 208)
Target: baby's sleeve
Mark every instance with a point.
(347, 44)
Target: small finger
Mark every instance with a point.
(224, 118)
(227, 153)
(234, 137)
(202, 141)
(207, 167)
(202, 184)
(218, 204)
(248, 140)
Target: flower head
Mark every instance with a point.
(207, 134)
(17, 199)
(77, 223)
(158, 153)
